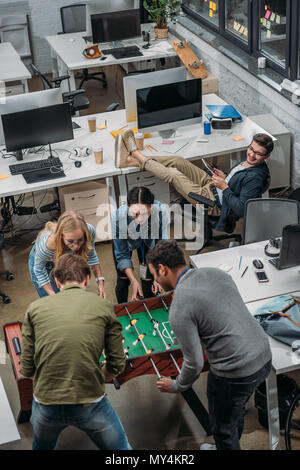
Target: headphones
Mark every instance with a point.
(81, 151)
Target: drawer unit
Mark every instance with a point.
(159, 188)
(91, 199)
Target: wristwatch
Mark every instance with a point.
(100, 278)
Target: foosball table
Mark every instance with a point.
(149, 345)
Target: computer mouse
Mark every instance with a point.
(258, 264)
(77, 164)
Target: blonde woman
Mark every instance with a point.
(70, 234)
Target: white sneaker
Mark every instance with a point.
(129, 140)
(121, 152)
(207, 446)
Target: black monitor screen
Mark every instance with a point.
(169, 103)
(116, 25)
(290, 254)
(40, 126)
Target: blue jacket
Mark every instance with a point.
(247, 184)
(127, 235)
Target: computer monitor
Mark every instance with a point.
(134, 82)
(105, 6)
(170, 106)
(290, 247)
(37, 127)
(25, 101)
(116, 26)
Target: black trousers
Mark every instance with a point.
(123, 282)
(227, 399)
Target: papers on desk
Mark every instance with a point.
(163, 46)
(173, 147)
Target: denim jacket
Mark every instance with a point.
(127, 235)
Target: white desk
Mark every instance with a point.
(8, 429)
(280, 281)
(11, 66)
(282, 361)
(255, 295)
(67, 56)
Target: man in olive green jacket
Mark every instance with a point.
(63, 337)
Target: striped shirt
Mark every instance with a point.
(43, 254)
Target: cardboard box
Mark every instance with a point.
(210, 84)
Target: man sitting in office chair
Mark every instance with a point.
(246, 180)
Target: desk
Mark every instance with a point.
(255, 295)
(280, 281)
(12, 67)
(67, 56)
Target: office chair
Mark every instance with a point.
(73, 20)
(16, 30)
(209, 222)
(9, 276)
(265, 218)
(75, 98)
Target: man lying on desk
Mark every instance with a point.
(246, 180)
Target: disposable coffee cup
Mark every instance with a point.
(139, 138)
(92, 124)
(98, 154)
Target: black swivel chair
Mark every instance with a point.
(75, 98)
(73, 20)
(9, 276)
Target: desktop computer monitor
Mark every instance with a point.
(167, 107)
(37, 127)
(105, 6)
(143, 80)
(25, 101)
(116, 26)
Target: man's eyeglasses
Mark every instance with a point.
(257, 153)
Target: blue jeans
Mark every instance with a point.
(98, 420)
(227, 399)
(49, 266)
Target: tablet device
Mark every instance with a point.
(208, 168)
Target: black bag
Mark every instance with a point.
(280, 318)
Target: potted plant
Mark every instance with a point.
(160, 11)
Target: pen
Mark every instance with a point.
(148, 148)
(240, 262)
(152, 148)
(244, 271)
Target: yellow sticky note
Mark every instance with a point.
(211, 13)
(211, 5)
(101, 127)
(3, 176)
(238, 137)
(214, 6)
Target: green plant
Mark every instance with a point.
(161, 10)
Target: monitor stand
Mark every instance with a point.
(167, 134)
(19, 154)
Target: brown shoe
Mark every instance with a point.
(129, 140)
(121, 152)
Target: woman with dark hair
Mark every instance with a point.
(137, 225)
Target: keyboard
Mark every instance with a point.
(26, 167)
(44, 174)
(123, 52)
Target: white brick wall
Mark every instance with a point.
(249, 94)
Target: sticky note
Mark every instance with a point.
(214, 6)
(168, 142)
(101, 127)
(246, 32)
(278, 19)
(224, 267)
(272, 17)
(268, 14)
(211, 13)
(3, 176)
(237, 138)
(211, 5)
(269, 34)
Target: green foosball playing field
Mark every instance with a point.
(146, 333)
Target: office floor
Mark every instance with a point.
(151, 419)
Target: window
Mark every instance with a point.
(236, 18)
(273, 34)
(269, 28)
(208, 10)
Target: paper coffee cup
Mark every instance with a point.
(261, 62)
(139, 138)
(98, 154)
(92, 124)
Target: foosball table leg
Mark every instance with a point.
(197, 408)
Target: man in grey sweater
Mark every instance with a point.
(207, 311)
